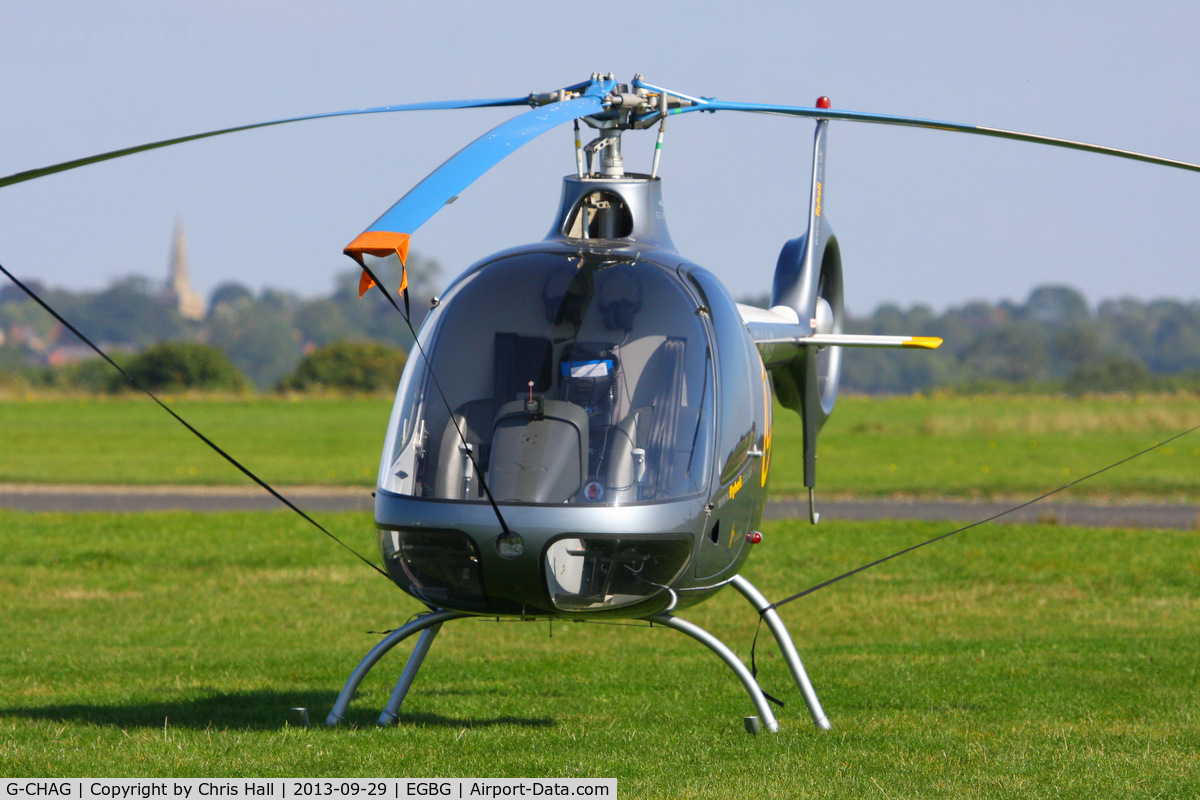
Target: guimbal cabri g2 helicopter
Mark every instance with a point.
(584, 428)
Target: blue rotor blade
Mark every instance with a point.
(28, 175)
(444, 184)
(708, 104)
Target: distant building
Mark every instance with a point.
(28, 337)
(179, 284)
(70, 354)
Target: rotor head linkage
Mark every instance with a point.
(608, 147)
(628, 105)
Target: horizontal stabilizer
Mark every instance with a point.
(780, 337)
(861, 340)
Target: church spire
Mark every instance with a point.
(189, 303)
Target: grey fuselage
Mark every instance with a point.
(607, 395)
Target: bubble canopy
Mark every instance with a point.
(566, 379)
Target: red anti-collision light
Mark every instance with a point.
(824, 102)
(753, 537)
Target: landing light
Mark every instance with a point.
(510, 545)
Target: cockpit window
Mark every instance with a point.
(556, 380)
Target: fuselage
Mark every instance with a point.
(584, 428)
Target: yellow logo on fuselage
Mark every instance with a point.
(768, 417)
(735, 487)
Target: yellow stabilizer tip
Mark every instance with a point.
(926, 342)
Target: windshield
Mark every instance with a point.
(563, 380)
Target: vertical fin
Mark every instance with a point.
(808, 289)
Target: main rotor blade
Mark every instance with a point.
(708, 104)
(390, 233)
(29, 175)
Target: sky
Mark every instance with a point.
(923, 217)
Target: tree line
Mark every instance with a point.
(1054, 341)
(270, 340)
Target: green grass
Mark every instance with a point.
(997, 447)
(295, 441)
(932, 446)
(1023, 661)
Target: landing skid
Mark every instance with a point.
(428, 624)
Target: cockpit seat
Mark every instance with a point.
(471, 426)
(538, 457)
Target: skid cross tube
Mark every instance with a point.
(731, 660)
(784, 640)
(432, 620)
(391, 711)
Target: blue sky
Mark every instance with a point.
(922, 216)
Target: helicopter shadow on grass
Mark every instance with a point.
(257, 710)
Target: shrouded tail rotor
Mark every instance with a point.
(808, 287)
(801, 337)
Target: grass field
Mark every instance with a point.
(952, 446)
(1025, 661)
(316, 441)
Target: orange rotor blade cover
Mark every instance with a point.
(379, 244)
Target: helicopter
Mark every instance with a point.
(584, 428)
